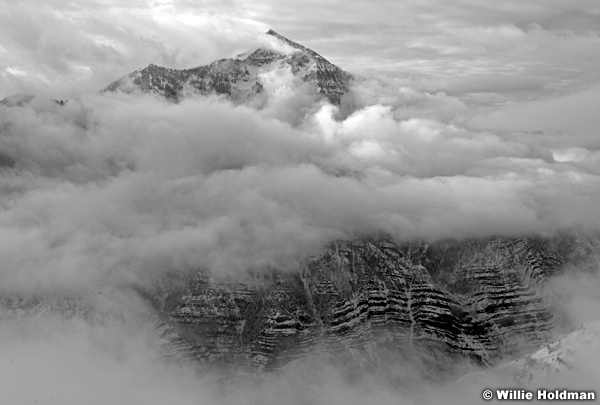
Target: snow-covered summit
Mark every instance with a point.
(240, 78)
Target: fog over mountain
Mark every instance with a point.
(195, 210)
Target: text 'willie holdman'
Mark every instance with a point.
(540, 395)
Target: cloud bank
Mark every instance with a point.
(116, 187)
(113, 185)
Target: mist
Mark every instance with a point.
(109, 193)
(111, 354)
(115, 188)
(57, 361)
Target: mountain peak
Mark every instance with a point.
(284, 39)
(293, 44)
(240, 77)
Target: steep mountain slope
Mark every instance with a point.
(570, 362)
(240, 77)
(560, 357)
(365, 300)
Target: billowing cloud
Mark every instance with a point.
(67, 362)
(473, 120)
(64, 50)
(115, 189)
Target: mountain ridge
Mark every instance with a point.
(239, 78)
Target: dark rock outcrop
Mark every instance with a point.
(364, 300)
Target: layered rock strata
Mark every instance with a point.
(367, 298)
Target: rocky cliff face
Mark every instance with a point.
(361, 301)
(240, 78)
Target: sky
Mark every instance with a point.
(468, 119)
(492, 51)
